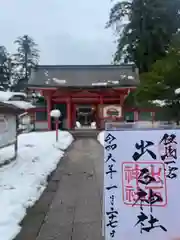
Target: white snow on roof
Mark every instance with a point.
(113, 82)
(131, 77)
(161, 103)
(59, 81)
(21, 104)
(99, 84)
(5, 96)
(177, 91)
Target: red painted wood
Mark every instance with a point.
(136, 116)
(69, 113)
(90, 89)
(85, 93)
(98, 97)
(73, 115)
(64, 95)
(87, 100)
(49, 108)
(153, 116)
(32, 110)
(41, 92)
(102, 101)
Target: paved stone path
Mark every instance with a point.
(76, 210)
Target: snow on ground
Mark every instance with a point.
(23, 181)
(100, 138)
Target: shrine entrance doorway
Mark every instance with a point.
(85, 115)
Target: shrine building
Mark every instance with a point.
(85, 94)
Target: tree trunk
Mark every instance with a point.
(26, 67)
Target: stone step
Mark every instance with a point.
(85, 133)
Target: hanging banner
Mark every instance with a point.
(142, 184)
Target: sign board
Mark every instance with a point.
(112, 111)
(142, 184)
(7, 129)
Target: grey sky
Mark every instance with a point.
(67, 31)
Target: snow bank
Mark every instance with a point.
(23, 181)
(100, 138)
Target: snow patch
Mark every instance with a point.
(100, 137)
(78, 124)
(59, 81)
(93, 125)
(100, 84)
(23, 181)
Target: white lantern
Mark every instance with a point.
(56, 113)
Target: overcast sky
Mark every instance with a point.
(67, 31)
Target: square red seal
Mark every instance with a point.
(144, 184)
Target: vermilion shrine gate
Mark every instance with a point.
(93, 93)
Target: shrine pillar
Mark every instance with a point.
(73, 123)
(69, 113)
(136, 116)
(100, 113)
(121, 102)
(153, 116)
(49, 108)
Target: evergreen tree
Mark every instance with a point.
(27, 56)
(148, 32)
(5, 69)
(162, 80)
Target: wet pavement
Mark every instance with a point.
(75, 208)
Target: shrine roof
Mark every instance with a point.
(91, 76)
